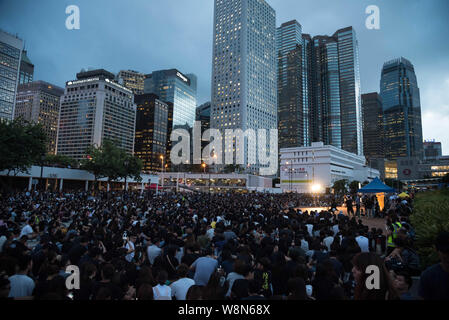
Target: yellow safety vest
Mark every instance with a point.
(390, 239)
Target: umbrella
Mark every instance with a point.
(403, 195)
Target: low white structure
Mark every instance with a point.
(216, 182)
(54, 178)
(315, 168)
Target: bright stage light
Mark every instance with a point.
(316, 187)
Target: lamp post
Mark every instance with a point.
(42, 172)
(162, 171)
(125, 164)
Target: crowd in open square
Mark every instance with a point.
(199, 246)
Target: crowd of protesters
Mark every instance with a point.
(196, 246)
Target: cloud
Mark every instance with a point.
(435, 111)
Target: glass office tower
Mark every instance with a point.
(151, 131)
(332, 78)
(350, 94)
(26, 69)
(244, 70)
(293, 106)
(402, 110)
(373, 126)
(10, 55)
(177, 88)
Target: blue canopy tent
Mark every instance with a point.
(376, 186)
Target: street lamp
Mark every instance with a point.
(162, 170)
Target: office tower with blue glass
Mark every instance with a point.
(177, 88)
(293, 103)
(402, 110)
(244, 72)
(10, 56)
(332, 76)
(26, 73)
(373, 126)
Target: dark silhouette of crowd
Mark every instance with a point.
(199, 246)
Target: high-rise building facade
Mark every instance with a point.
(244, 71)
(177, 88)
(26, 69)
(10, 56)
(293, 104)
(334, 88)
(94, 108)
(432, 149)
(151, 131)
(203, 115)
(132, 80)
(39, 102)
(402, 110)
(373, 126)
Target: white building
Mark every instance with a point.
(315, 168)
(215, 182)
(244, 71)
(95, 108)
(60, 179)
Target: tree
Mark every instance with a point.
(59, 160)
(445, 179)
(340, 186)
(132, 167)
(94, 162)
(112, 162)
(365, 183)
(354, 186)
(22, 144)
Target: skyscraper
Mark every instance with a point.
(39, 102)
(10, 55)
(373, 126)
(432, 149)
(203, 115)
(244, 71)
(132, 80)
(177, 88)
(151, 131)
(293, 105)
(402, 110)
(94, 108)
(334, 86)
(350, 93)
(26, 69)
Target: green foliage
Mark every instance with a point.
(431, 216)
(354, 186)
(109, 161)
(59, 160)
(394, 183)
(445, 179)
(340, 186)
(22, 144)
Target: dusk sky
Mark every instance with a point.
(147, 35)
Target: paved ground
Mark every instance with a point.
(370, 222)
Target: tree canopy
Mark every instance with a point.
(112, 162)
(340, 186)
(22, 144)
